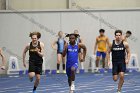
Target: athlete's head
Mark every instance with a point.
(76, 32)
(72, 38)
(118, 35)
(60, 34)
(101, 31)
(128, 34)
(35, 36)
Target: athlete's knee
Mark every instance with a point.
(72, 68)
(58, 61)
(38, 79)
(97, 59)
(115, 78)
(31, 74)
(122, 77)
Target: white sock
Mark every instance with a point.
(97, 68)
(72, 83)
(82, 65)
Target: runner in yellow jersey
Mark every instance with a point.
(100, 48)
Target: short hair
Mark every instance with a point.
(35, 33)
(101, 30)
(128, 32)
(118, 31)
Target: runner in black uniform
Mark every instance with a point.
(36, 49)
(120, 57)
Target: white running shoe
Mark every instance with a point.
(72, 88)
(64, 72)
(96, 70)
(71, 91)
(118, 92)
(57, 71)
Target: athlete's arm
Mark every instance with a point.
(80, 45)
(81, 40)
(124, 38)
(3, 58)
(108, 53)
(107, 41)
(24, 54)
(53, 45)
(41, 53)
(128, 52)
(65, 50)
(95, 46)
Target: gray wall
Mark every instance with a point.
(16, 26)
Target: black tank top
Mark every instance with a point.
(118, 52)
(33, 55)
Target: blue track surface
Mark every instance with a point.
(57, 83)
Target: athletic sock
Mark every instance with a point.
(34, 88)
(63, 66)
(58, 65)
(82, 65)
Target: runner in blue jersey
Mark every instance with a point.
(71, 50)
(60, 47)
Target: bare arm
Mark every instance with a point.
(108, 44)
(95, 46)
(53, 45)
(108, 53)
(24, 54)
(80, 45)
(128, 52)
(3, 58)
(81, 40)
(41, 53)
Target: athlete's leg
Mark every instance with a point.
(115, 77)
(36, 83)
(80, 58)
(31, 70)
(98, 54)
(115, 71)
(63, 65)
(58, 61)
(31, 75)
(103, 59)
(121, 81)
(72, 76)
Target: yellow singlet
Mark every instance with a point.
(101, 43)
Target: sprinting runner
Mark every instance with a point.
(71, 50)
(120, 57)
(36, 52)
